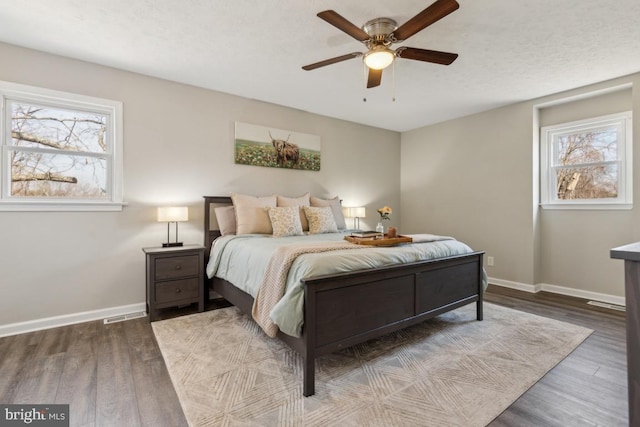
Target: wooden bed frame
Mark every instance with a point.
(345, 309)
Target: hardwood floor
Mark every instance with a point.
(589, 387)
(114, 375)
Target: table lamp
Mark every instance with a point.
(173, 214)
(356, 213)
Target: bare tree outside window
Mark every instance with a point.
(587, 165)
(57, 153)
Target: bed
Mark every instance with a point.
(343, 309)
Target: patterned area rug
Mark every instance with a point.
(448, 371)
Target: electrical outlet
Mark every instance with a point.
(490, 261)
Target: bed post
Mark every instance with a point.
(479, 314)
(309, 355)
(209, 234)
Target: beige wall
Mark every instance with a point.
(574, 244)
(477, 178)
(178, 146)
(471, 178)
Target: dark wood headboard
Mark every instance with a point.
(211, 232)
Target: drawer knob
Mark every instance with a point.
(178, 267)
(178, 290)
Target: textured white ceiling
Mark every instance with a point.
(510, 50)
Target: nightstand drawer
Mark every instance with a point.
(176, 290)
(174, 267)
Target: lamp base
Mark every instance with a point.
(171, 245)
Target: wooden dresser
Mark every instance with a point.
(631, 256)
(175, 277)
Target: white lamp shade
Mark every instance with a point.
(355, 212)
(173, 214)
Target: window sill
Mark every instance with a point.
(587, 206)
(59, 206)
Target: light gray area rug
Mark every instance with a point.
(448, 371)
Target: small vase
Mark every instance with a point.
(380, 229)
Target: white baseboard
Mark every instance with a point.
(87, 316)
(514, 285)
(578, 293)
(69, 319)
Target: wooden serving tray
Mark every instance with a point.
(372, 241)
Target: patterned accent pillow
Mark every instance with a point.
(286, 221)
(321, 219)
(336, 207)
(296, 201)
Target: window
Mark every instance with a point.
(60, 151)
(587, 164)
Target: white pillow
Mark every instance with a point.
(296, 201)
(251, 213)
(335, 207)
(226, 217)
(285, 221)
(321, 219)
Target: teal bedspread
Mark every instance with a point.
(242, 260)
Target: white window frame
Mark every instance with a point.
(548, 180)
(56, 99)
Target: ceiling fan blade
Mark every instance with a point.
(333, 18)
(374, 78)
(331, 61)
(431, 14)
(437, 57)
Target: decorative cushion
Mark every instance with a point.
(335, 207)
(251, 213)
(321, 219)
(285, 221)
(226, 217)
(296, 201)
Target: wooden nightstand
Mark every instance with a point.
(175, 277)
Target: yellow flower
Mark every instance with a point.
(385, 212)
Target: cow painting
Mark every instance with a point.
(266, 146)
(285, 151)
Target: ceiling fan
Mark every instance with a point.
(380, 33)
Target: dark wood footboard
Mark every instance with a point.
(346, 309)
(341, 310)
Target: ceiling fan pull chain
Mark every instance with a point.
(365, 72)
(393, 82)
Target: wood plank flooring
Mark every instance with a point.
(114, 375)
(589, 387)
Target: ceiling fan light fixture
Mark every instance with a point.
(379, 57)
(380, 34)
